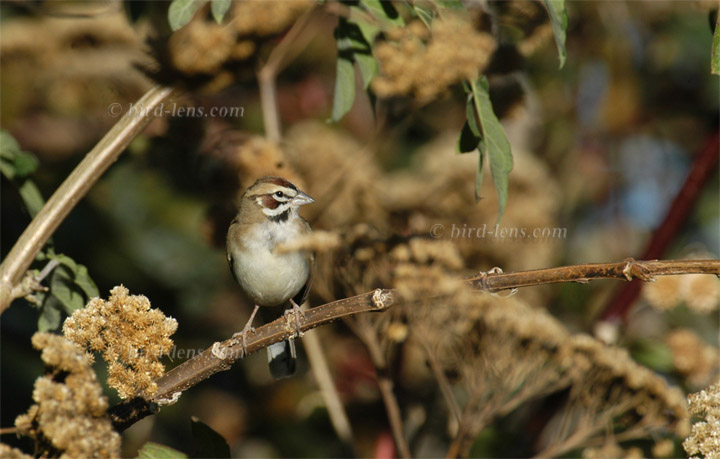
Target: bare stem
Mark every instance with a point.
(319, 366)
(75, 186)
(442, 380)
(290, 46)
(385, 384)
(223, 354)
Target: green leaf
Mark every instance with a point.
(7, 169)
(8, 145)
(181, 12)
(369, 30)
(451, 4)
(368, 68)
(467, 141)
(15, 162)
(352, 47)
(495, 144)
(472, 119)
(209, 442)
(49, 319)
(25, 164)
(715, 59)
(384, 12)
(219, 8)
(559, 21)
(62, 287)
(425, 15)
(64, 260)
(653, 354)
(86, 284)
(479, 174)
(152, 450)
(31, 197)
(344, 88)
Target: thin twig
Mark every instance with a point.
(32, 283)
(290, 46)
(75, 186)
(369, 337)
(442, 380)
(15, 429)
(223, 354)
(319, 366)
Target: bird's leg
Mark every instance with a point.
(297, 312)
(246, 329)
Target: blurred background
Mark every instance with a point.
(601, 148)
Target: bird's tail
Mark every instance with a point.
(281, 358)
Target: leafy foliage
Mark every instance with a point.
(70, 283)
(17, 165)
(71, 287)
(181, 12)
(151, 450)
(219, 8)
(483, 131)
(558, 20)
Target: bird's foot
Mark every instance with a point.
(297, 312)
(241, 336)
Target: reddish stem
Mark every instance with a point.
(703, 168)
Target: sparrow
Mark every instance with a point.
(278, 283)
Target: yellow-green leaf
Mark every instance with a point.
(558, 21)
(219, 8)
(384, 11)
(181, 12)
(494, 142)
(152, 450)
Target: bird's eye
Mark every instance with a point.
(279, 194)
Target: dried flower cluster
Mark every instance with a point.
(693, 358)
(70, 409)
(424, 63)
(700, 292)
(507, 353)
(203, 46)
(705, 435)
(612, 390)
(612, 449)
(9, 452)
(131, 336)
(338, 172)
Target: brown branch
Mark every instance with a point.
(223, 354)
(75, 186)
(703, 169)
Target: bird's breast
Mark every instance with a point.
(269, 278)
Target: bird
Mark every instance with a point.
(277, 283)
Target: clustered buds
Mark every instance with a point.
(131, 336)
(69, 410)
(424, 63)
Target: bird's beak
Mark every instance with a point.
(301, 199)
